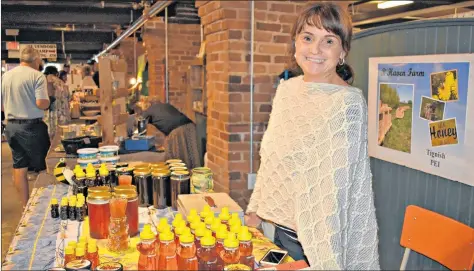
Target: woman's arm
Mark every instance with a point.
(335, 216)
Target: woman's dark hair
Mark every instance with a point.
(332, 18)
(62, 74)
(51, 70)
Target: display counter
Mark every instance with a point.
(40, 240)
(53, 156)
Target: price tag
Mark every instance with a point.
(87, 140)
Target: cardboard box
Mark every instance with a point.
(215, 200)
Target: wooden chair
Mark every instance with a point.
(439, 238)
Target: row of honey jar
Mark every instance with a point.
(201, 242)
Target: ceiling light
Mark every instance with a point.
(391, 4)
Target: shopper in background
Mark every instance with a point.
(63, 76)
(66, 68)
(59, 112)
(87, 80)
(314, 182)
(24, 100)
(95, 71)
(180, 131)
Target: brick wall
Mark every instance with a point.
(126, 51)
(227, 33)
(184, 41)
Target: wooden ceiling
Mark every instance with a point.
(89, 25)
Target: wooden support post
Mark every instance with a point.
(106, 97)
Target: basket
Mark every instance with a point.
(72, 145)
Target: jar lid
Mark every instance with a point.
(179, 169)
(160, 168)
(142, 172)
(177, 165)
(110, 266)
(161, 173)
(144, 165)
(202, 170)
(180, 174)
(100, 195)
(171, 161)
(78, 264)
(129, 194)
(98, 189)
(125, 169)
(122, 164)
(120, 188)
(159, 164)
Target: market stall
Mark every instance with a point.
(45, 237)
(57, 152)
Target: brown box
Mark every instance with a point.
(198, 201)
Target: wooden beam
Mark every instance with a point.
(106, 109)
(63, 16)
(404, 11)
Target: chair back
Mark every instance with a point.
(438, 237)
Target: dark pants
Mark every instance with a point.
(3, 118)
(288, 241)
(29, 142)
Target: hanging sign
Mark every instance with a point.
(421, 113)
(13, 45)
(48, 51)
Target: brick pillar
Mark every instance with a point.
(227, 33)
(184, 41)
(154, 40)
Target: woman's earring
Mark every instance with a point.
(341, 61)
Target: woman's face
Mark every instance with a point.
(318, 51)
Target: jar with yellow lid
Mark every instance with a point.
(159, 165)
(143, 181)
(98, 189)
(177, 165)
(178, 168)
(120, 188)
(161, 188)
(132, 209)
(98, 205)
(171, 161)
(179, 185)
(142, 166)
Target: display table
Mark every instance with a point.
(53, 156)
(40, 240)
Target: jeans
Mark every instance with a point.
(289, 241)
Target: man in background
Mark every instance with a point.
(24, 100)
(95, 71)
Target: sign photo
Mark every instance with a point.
(421, 113)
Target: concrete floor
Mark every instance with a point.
(11, 205)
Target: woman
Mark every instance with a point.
(180, 131)
(314, 182)
(59, 112)
(63, 76)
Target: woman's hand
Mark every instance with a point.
(252, 220)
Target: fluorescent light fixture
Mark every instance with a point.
(391, 4)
